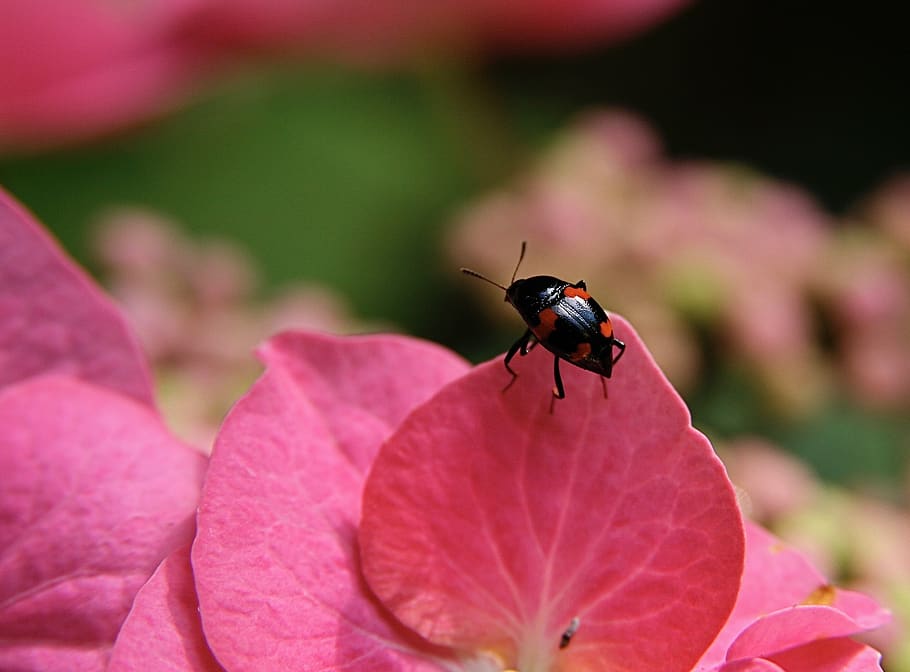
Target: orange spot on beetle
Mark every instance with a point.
(576, 291)
(581, 352)
(547, 324)
(606, 328)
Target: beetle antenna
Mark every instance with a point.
(524, 245)
(468, 271)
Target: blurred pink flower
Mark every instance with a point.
(674, 246)
(866, 281)
(392, 29)
(96, 492)
(195, 306)
(774, 483)
(75, 70)
(80, 68)
(868, 284)
(888, 209)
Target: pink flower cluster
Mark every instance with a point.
(75, 69)
(373, 503)
(689, 248)
(171, 286)
(866, 280)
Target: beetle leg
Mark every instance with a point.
(522, 345)
(603, 383)
(529, 345)
(622, 349)
(559, 391)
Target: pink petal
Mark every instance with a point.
(101, 494)
(829, 655)
(54, 319)
(363, 385)
(833, 655)
(751, 665)
(776, 578)
(865, 611)
(489, 523)
(163, 630)
(790, 628)
(276, 561)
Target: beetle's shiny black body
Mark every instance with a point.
(565, 319)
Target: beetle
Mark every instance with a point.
(565, 319)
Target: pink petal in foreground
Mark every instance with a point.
(163, 631)
(275, 558)
(54, 319)
(95, 494)
(363, 385)
(489, 524)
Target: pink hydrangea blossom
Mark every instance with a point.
(867, 281)
(373, 503)
(95, 491)
(195, 305)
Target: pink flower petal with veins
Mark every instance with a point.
(96, 493)
(363, 385)
(489, 524)
(275, 558)
(163, 631)
(53, 319)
